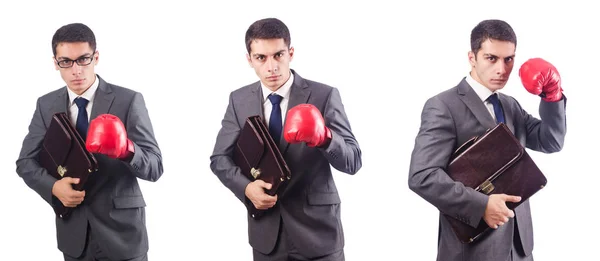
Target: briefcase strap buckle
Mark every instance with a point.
(487, 187)
(61, 170)
(255, 173)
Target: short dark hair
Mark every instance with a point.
(72, 33)
(491, 29)
(268, 28)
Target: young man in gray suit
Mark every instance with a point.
(108, 222)
(452, 117)
(303, 221)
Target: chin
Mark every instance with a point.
(496, 87)
(273, 84)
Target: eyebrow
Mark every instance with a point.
(496, 56)
(260, 54)
(82, 56)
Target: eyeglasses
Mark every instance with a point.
(81, 61)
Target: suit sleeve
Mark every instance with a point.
(221, 162)
(434, 145)
(146, 163)
(548, 134)
(343, 152)
(28, 168)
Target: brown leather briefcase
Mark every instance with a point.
(63, 154)
(493, 163)
(258, 157)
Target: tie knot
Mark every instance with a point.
(275, 99)
(493, 98)
(81, 102)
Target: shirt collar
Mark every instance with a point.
(481, 91)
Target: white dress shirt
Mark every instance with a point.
(483, 93)
(88, 95)
(283, 91)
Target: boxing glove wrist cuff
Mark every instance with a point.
(326, 140)
(552, 98)
(128, 155)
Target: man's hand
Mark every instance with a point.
(64, 191)
(496, 212)
(255, 191)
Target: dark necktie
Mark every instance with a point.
(275, 124)
(82, 117)
(493, 99)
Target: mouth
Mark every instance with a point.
(498, 81)
(273, 77)
(78, 81)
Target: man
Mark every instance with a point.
(452, 117)
(108, 222)
(303, 221)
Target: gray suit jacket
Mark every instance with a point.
(310, 206)
(114, 204)
(448, 120)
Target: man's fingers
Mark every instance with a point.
(269, 199)
(265, 202)
(71, 180)
(511, 198)
(265, 185)
(79, 194)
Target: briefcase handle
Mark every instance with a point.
(465, 145)
(469, 143)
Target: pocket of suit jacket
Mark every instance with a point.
(127, 210)
(323, 198)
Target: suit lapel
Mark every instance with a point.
(299, 94)
(475, 105)
(253, 104)
(102, 100)
(62, 102)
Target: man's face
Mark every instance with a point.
(77, 77)
(271, 59)
(493, 63)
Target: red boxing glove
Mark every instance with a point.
(541, 78)
(107, 135)
(304, 123)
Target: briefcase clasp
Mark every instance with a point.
(61, 170)
(487, 187)
(255, 173)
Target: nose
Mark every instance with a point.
(502, 67)
(272, 65)
(75, 69)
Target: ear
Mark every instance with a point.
(55, 64)
(249, 59)
(96, 57)
(472, 58)
(291, 51)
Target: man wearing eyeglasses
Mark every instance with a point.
(108, 220)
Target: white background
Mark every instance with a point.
(386, 61)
